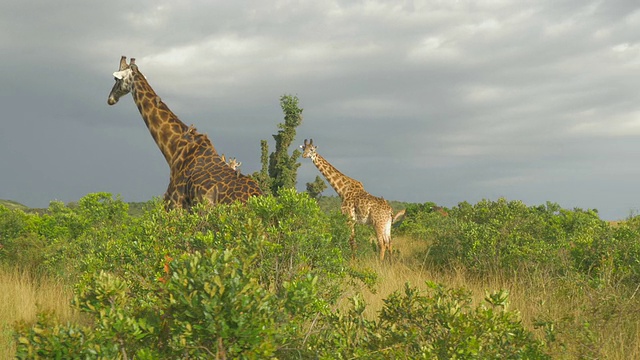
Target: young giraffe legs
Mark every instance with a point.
(383, 233)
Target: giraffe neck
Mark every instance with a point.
(164, 126)
(339, 182)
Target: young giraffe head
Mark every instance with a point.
(308, 149)
(234, 164)
(124, 80)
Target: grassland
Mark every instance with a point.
(534, 296)
(576, 316)
(600, 322)
(22, 296)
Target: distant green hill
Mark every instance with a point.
(13, 205)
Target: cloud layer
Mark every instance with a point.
(442, 101)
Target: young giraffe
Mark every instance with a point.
(357, 204)
(232, 162)
(197, 171)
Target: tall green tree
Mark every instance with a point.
(316, 187)
(280, 170)
(262, 177)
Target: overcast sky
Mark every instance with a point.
(442, 101)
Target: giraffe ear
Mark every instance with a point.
(121, 74)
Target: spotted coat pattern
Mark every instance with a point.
(357, 204)
(197, 171)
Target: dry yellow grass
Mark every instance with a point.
(22, 297)
(614, 335)
(533, 296)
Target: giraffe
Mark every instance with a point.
(357, 204)
(197, 172)
(232, 162)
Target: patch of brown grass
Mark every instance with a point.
(22, 296)
(588, 322)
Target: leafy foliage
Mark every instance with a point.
(281, 171)
(262, 177)
(509, 235)
(238, 281)
(315, 188)
(442, 325)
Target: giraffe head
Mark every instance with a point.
(124, 80)
(234, 164)
(308, 149)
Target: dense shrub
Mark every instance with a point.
(509, 236)
(259, 280)
(425, 222)
(147, 281)
(206, 305)
(45, 243)
(439, 324)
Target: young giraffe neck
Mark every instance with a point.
(164, 126)
(340, 182)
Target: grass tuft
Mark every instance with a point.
(22, 296)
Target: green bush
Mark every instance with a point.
(137, 277)
(508, 236)
(424, 222)
(48, 339)
(440, 324)
(207, 304)
(12, 222)
(18, 246)
(258, 280)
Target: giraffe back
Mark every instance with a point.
(369, 209)
(199, 174)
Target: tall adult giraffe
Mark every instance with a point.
(357, 204)
(197, 171)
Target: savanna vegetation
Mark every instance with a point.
(274, 278)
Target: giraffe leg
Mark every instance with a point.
(383, 248)
(387, 235)
(348, 209)
(383, 233)
(352, 239)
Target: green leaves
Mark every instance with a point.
(283, 168)
(440, 323)
(215, 295)
(509, 236)
(237, 280)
